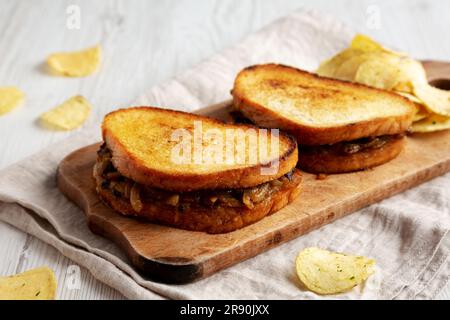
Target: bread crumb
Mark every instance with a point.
(321, 176)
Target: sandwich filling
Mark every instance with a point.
(109, 178)
(352, 147)
(340, 148)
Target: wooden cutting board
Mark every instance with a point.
(179, 256)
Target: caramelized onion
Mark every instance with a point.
(127, 190)
(108, 177)
(276, 183)
(135, 198)
(212, 199)
(258, 194)
(376, 143)
(118, 186)
(173, 200)
(113, 175)
(229, 201)
(246, 200)
(101, 166)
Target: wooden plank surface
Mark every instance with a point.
(164, 38)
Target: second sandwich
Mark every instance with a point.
(339, 126)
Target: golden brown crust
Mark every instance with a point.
(317, 162)
(211, 220)
(310, 135)
(133, 168)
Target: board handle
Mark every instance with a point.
(438, 73)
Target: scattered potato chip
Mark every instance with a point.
(75, 64)
(10, 98)
(325, 272)
(431, 123)
(434, 99)
(36, 284)
(69, 115)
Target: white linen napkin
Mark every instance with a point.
(406, 234)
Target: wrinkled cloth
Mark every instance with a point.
(406, 234)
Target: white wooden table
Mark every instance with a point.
(146, 42)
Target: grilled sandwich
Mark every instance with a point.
(148, 166)
(339, 126)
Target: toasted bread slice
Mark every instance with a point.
(318, 161)
(145, 143)
(318, 110)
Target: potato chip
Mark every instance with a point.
(347, 70)
(410, 97)
(421, 112)
(367, 44)
(420, 115)
(10, 98)
(386, 71)
(391, 70)
(69, 115)
(329, 67)
(345, 64)
(378, 72)
(368, 62)
(325, 272)
(411, 73)
(36, 284)
(75, 64)
(434, 99)
(432, 123)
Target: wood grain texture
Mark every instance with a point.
(147, 42)
(179, 256)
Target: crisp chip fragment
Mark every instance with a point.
(421, 111)
(367, 44)
(378, 72)
(431, 123)
(329, 68)
(390, 72)
(411, 97)
(10, 98)
(75, 64)
(434, 99)
(325, 272)
(69, 115)
(348, 69)
(420, 115)
(411, 74)
(36, 284)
